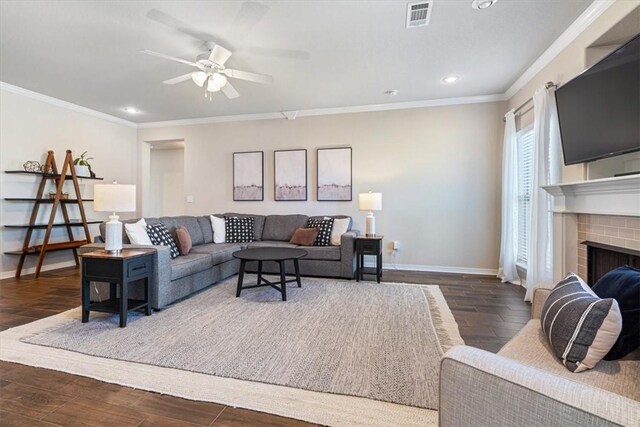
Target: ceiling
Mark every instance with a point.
(321, 54)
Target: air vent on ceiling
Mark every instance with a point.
(418, 14)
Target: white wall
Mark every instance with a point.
(28, 128)
(437, 169)
(167, 182)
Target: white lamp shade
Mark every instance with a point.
(114, 198)
(370, 201)
(199, 77)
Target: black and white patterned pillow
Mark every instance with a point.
(160, 236)
(239, 230)
(325, 225)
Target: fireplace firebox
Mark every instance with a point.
(602, 258)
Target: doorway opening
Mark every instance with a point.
(166, 178)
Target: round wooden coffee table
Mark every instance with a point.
(279, 255)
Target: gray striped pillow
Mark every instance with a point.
(581, 328)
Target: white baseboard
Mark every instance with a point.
(31, 270)
(437, 269)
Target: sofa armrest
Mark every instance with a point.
(347, 253)
(160, 276)
(540, 295)
(478, 388)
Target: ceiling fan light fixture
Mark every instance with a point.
(199, 77)
(212, 86)
(218, 79)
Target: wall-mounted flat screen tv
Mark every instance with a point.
(599, 110)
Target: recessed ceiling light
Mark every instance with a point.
(482, 4)
(450, 79)
(131, 110)
(392, 92)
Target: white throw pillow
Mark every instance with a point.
(219, 231)
(137, 233)
(340, 226)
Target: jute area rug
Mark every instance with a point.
(337, 352)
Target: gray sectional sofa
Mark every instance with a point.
(208, 263)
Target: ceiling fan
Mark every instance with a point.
(212, 74)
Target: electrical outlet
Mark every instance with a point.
(396, 245)
(189, 199)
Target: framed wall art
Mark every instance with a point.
(290, 175)
(248, 176)
(334, 174)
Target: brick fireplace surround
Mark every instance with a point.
(620, 231)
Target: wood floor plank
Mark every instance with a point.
(9, 419)
(81, 412)
(202, 413)
(236, 417)
(30, 401)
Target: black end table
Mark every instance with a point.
(119, 270)
(369, 245)
(279, 255)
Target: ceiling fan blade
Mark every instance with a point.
(219, 55)
(171, 22)
(246, 75)
(170, 58)
(178, 79)
(229, 91)
(249, 15)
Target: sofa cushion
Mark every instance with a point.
(282, 227)
(623, 284)
(183, 240)
(530, 347)
(340, 226)
(189, 264)
(258, 223)
(205, 226)
(581, 327)
(271, 243)
(220, 252)
(137, 232)
(325, 225)
(328, 253)
(160, 236)
(304, 236)
(238, 230)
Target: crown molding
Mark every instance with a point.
(328, 111)
(64, 104)
(583, 21)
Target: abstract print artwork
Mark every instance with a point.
(334, 174)
(248, 176)
(290, 175)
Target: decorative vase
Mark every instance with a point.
(82, 170)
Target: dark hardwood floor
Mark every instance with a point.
(488, 314)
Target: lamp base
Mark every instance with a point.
(370, 225)
(113, 235)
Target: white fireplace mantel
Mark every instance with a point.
(606, 196)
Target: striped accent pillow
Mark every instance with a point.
(581, 328)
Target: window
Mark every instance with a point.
(525, 175)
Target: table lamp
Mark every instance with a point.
(114, 198)
(370, 202)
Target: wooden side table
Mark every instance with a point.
(119, 270)
(369, 245)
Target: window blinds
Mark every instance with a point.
(525, 175)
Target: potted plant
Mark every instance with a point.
(83, 168)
